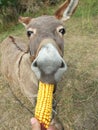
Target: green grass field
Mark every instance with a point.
(77, 92)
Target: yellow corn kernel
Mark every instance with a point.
(43, 110)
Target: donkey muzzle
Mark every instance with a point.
(49, 66)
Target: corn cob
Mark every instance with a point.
(43, 110)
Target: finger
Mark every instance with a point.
(35, 124)
(52, 128)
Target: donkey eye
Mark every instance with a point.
(62, 31)
(29, 33)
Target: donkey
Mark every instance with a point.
(24, 65)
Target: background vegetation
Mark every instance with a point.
(10, 10)
(77, 93)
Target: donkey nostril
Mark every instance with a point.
(62, 65)
(35, 64)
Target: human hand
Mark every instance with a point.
(36, 125)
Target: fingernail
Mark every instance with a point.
(33, 120)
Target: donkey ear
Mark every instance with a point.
(66, 9)
(24, 20)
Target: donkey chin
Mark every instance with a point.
(49, 65)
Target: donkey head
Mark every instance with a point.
(46, 42)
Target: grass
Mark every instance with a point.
(15, 30)
(78, 90)
(77, 93)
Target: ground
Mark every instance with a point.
(77, 92)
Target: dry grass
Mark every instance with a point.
(77, 93)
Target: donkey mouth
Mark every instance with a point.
(49, 66)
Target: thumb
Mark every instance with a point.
(35, 124)
(52, 128)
